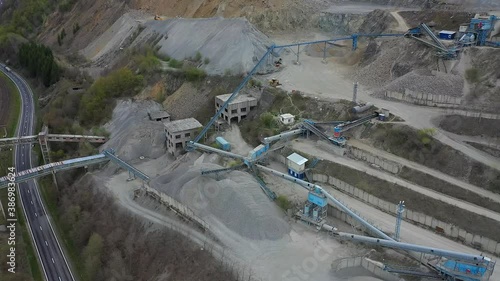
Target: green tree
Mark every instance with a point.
(267, 119)
(40, 63)
(97, 103)
(92, 255)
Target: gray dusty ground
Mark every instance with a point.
(132, 133)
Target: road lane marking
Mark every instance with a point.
(28, 191)
(31, 202)
(46, 244)
(41, 229)
(53, 260)
(36, 215)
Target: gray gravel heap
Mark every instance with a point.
(437, 84)
(230, 44)
(235, 199)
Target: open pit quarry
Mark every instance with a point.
(241, 218)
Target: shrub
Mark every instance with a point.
(97, 103)
(147, 62)
(198, 57)
(175, 63)
(227, 72)
(267, 120)
(194, 74)
(76, 27)
(426, 135)
(283, 202)
(472, 75)
(206, 61)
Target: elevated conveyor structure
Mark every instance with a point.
(52, 138)
(263, 185)
(351, 124)
(233, 95)
(111, 155)
(70, 164)
(310, 187)
(309, 126)
(433, 37)
(452, 264)
(217, 171)
(216, 150)
(283, 135)
(52, 168)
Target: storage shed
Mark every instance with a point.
(296, 165)
(287, 118)
(223, 143)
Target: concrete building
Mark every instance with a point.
(159, 116)
(237, 109)
(296, 165)
(179, 132)
(287, 118)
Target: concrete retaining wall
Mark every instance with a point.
(425, 99)
(390, 166)
(365, 263)
(175, 205)
(446, 229)
(453, 111)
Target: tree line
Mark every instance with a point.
(39, 61)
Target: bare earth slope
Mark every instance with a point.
(232, 45)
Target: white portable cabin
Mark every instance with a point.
(296, 165)
(287, 118)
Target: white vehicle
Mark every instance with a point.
(7, 68)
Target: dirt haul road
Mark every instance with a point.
(424, 169)
(328, 82)
(310, 148)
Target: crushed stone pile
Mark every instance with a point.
(386, 61)
(233, 45)
(132, 133)
(233, 199)
(426, 83)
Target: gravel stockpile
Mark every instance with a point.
(132, 133)
(439, 84)
(379, 71)
(230, 44)
(233, 45)
(234, 199)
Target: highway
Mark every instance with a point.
(54, 264)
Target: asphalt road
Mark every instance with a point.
(54, 264)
